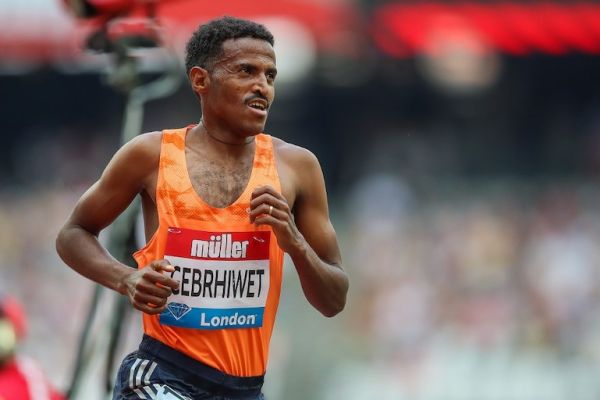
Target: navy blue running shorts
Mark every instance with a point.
(158, 372)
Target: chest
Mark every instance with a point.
(219, 182)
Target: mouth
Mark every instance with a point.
(259, 106)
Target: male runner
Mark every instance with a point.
(222, 202)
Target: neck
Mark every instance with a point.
(211, 136)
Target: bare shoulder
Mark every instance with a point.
(299, 171)
(136, 161)
(145, 146)
(141, 152)
(294, 156)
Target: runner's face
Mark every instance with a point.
(242, 86)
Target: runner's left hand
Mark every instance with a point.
(268, 207)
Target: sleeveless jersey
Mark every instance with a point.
(230, 270)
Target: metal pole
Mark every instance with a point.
(121, 242)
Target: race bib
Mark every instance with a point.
(223, 279)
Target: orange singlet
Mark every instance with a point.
(230, 271)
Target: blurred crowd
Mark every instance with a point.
(53, 297)
(472, 291)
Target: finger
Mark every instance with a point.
(154, 289)
(148, 309)
(158, 278)
(260, 190)
(162, 265)
(267, 198)
(156, 275)
(269, 220)
(167, 281)
(267, 209)
(145, 298)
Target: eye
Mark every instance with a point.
(245, 69)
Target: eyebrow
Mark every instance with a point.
(246, 64)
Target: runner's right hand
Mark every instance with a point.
(148, 288)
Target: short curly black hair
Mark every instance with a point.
(206, 43)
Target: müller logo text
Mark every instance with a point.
(219, 246)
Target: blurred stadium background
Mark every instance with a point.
(461, 147)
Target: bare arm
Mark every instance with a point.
(77, 243)
(307, 236)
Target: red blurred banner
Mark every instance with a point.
(30, 34)
(402, 30)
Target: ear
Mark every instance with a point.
(199, 79)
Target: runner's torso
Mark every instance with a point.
(229, 270)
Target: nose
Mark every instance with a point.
(261, 86)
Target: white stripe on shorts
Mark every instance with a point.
(140, 373)
(149, 373)
(140, 394)
(132, 372)
(148, 390)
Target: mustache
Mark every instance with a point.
(258, 96)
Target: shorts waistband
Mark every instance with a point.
(199, 373)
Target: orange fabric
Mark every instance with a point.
(233, 350)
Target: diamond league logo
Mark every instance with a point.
(178, 310)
